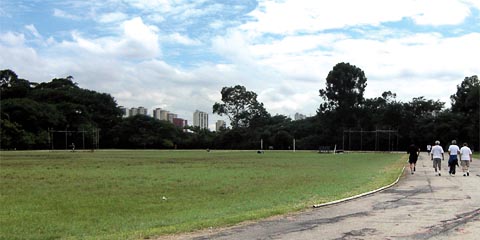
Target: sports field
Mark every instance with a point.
(140, 194)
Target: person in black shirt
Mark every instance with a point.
(414, 151)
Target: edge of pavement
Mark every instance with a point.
(361, 194)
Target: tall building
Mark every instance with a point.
(160, 114)
(200, 119)
(164, 115)
(171, 116)
(219, 125)
(124, 111)
(180, 122)
(136, 111)
(156, 113)
(142, 111)
(132, 112)
(299, 116)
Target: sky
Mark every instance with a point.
(179, 54)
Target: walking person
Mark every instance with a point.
(465, 159)
(453, 151)
(437, 157)
(429, 147)
(413, 152)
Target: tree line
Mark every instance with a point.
(58, 113)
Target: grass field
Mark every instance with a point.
(119, 194)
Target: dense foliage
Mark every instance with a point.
(31, 111)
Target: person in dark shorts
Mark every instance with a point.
(413, 152)
(453, 152)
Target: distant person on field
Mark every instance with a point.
(73, 147)
(437, 157)
(414, 151)
(453, 151)
(429, 147)
(465, 159)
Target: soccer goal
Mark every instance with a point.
(74, 139)
(376, 140)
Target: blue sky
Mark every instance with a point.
(177, 55)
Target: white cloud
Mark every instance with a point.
(140, 40)
(182, 39)
(155, 18)
(292, 16)
(136, 40)
(12, 39)
(112, 17)
(62, 14)
(33, 30)
(441, 12)
(159, 5)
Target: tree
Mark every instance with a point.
(6, 77)
(13, 87)
(344, 88)
(141, 131)
(241, 106)
(466, 103)
(467, 100)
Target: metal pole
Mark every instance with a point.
(361, 138)
(389, 148)
(83, 138)
(98, 138)
(397, 138)
(349, 139)
(66, 141)
(294, 145)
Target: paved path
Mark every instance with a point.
(420, 206)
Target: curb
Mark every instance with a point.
(360, 195)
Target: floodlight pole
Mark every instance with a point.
(294, 145)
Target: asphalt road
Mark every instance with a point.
(419, 206)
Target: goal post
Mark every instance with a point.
(73, 139)
(376, 140)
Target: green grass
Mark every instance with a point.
(118, 194)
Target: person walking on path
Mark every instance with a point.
(453, 151)
(429, 148)
(437, 157)
(414, 151)
(465, 159)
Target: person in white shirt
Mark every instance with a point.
(465, 159)
(453, 151)
(437, 157)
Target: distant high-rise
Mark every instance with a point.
(156, 113)
(124, 111)
(219, 125)
(142, 111)
(180, 122)
(160, 114)
(200, 119)
(136, 111)
(132, 112)
(299, 116)
(171, 116)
